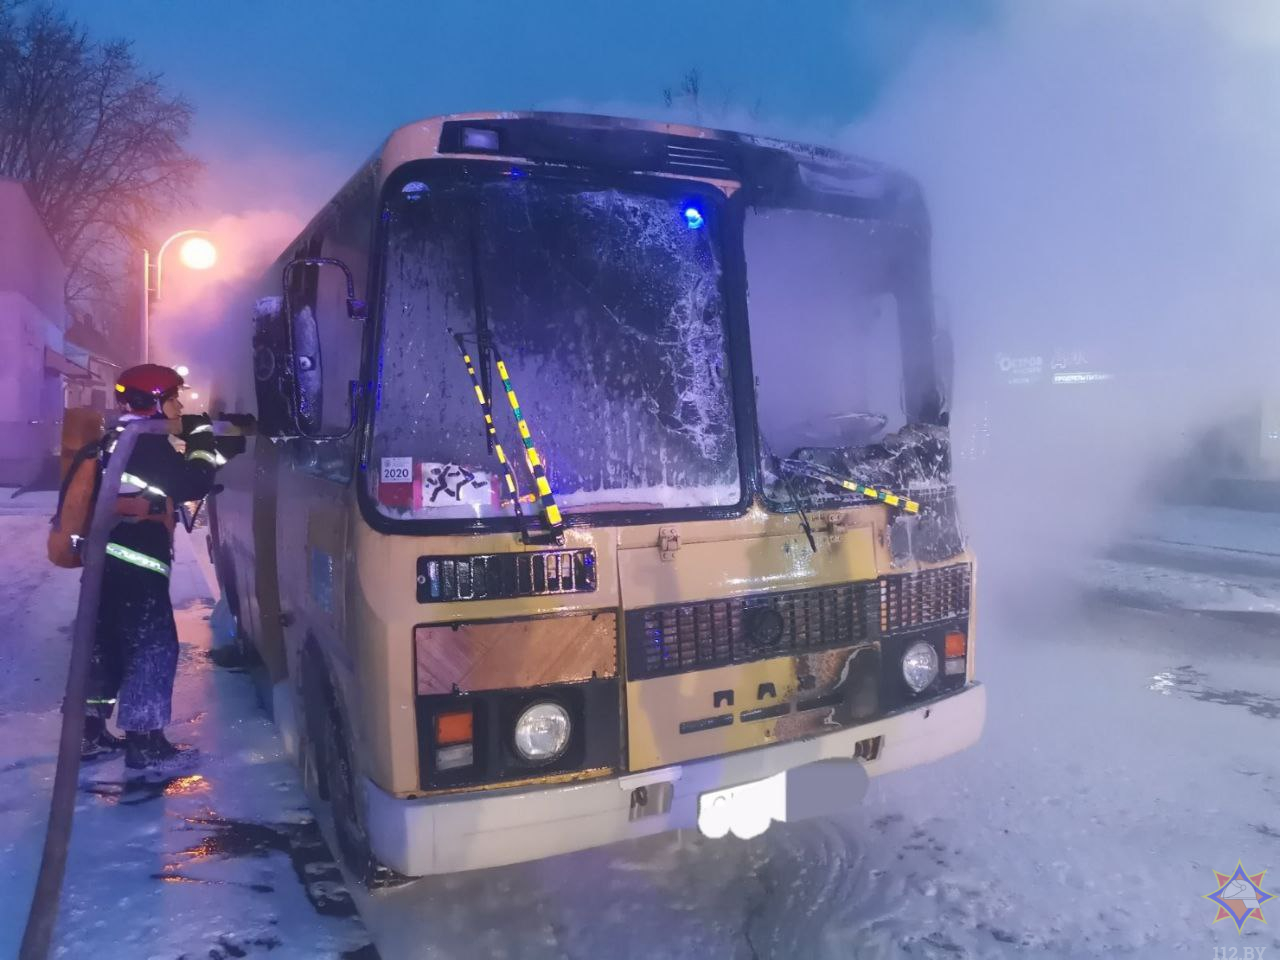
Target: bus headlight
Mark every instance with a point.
(919, 665)
(542, 732)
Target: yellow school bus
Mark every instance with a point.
(601, 488)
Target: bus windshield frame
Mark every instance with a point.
(870, 335)
(720, 222)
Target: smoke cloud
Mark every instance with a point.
(1101, 179)
(254, 200)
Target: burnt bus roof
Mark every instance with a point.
(771, 172)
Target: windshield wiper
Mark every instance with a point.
(784, 476)
(804, 517)
(484, 339)
(542, 486)
(542, 495)
(482, 383)
(491, 432)
(831, 478)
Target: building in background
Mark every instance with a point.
(89, 346)
(34, 367)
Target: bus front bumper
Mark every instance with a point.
(419, 837)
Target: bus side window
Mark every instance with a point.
(318, 299)
(346, 236)
(341, 340)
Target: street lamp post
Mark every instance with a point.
(197, 253)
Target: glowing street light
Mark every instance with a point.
(197, 253)
(182, 371)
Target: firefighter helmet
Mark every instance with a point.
(146, 386)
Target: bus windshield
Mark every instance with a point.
(605, 305)
(843, 355)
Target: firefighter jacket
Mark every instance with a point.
(156, 479)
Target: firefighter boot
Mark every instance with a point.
(97, 741)
(152, 752)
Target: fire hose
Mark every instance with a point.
(43, 915)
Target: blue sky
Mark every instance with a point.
(335, 76)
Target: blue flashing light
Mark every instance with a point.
(693, 217)
(516, 173)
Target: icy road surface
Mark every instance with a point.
(223, 863)
(1130, 752)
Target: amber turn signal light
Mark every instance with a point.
(957, 644)
(452, 728)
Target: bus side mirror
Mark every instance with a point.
(304, 338)
(273, 370)
(308, 376)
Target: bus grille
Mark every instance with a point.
(714, 633)
(911, 600)
(505, 576)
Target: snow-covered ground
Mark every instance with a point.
(1129, 753)
(223, 863)
(1197, 558)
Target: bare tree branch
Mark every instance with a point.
(693, 95)
(99, 142)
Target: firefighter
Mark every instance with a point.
(136, 649)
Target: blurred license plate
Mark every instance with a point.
(745, 810)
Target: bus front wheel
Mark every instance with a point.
(347, 807)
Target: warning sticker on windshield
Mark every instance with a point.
(448, 485)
